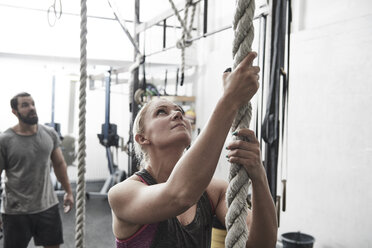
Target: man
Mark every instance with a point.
(30, 206)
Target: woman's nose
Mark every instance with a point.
(177, 115)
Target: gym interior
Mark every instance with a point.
(315, 81)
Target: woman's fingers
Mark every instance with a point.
(246, 148)
(246, 153)
(241, 161)
(225, 74)
(243, 154)
(248, 60)
(247, 134)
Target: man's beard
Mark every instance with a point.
(27, 119)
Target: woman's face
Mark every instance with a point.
(165, 124)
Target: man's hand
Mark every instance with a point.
(68, 202)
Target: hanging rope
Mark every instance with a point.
(186, 32)
(237, 191)
(80, 190)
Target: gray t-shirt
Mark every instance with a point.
(26, 161)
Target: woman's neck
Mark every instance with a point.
(162, 164)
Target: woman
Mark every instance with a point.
(171, 202)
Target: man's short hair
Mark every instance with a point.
(14, 100)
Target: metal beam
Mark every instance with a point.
(123, 26)
(263, 11)
(77, 15)
(160, 18)
(133, 107)
(63, 13)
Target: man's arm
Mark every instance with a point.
(60, 169)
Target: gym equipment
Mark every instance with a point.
(56, 126)
(109, 138)
(165, 83)
(54, 12)
(297, 240)
(186, 31)
(68, 149)
(274, 124)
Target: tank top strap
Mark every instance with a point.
(145, 177)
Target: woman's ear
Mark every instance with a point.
(141, 139)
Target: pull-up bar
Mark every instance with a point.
(263, 12)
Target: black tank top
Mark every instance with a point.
(172, 234)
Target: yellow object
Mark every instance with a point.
(218, 238)
(191, 115)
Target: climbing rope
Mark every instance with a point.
(80, 190)
(186, 32)
(237, 191)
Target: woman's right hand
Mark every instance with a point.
(241, 84)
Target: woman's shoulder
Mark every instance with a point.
(128, 186)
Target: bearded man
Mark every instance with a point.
(29, 204)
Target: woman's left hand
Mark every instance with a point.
(247, 153)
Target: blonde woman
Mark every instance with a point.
(172, 200)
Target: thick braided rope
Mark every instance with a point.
(80, 190)
(237, 191)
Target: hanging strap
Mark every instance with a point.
(270, 126)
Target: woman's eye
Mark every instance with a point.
(160, 111)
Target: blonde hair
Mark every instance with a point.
(139, 128)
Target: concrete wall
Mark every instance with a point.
(329, 139)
